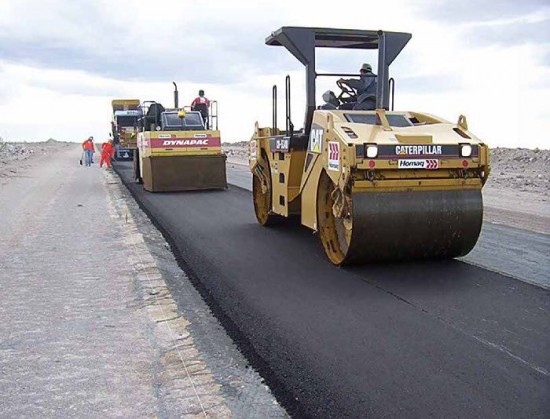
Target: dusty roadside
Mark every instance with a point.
(17, 157)
(88, 326)
(517, 193)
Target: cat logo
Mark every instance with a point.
(316, 140)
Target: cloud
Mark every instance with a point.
(118, 40)
(519, 32)
(77, 56)
(474, 10)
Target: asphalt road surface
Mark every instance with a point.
(511, 251)
(443, 339)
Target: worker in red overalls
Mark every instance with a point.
(107, 153)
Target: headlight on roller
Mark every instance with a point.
(465, 150)
(371, 151)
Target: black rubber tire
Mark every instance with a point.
(137, 174)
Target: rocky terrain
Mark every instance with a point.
(14, 151)
(15, 157)
(520, 169)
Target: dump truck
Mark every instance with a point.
(375, 184)
(176, 152)
(124, 125)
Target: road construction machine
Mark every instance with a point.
(176, 152)
(126, 113)
(374, 183)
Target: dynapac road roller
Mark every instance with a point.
(375, 184)
(176, 152)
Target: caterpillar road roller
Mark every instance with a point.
(176, 152)
(126, 113)
(375, 184)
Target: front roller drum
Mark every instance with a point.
(383, 226)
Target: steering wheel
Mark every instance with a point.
(347, 94)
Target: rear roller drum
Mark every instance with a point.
(261, 192)
(334, 220)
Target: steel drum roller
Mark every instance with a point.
(402, 226)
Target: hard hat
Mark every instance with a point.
(366, 67)
(90, 138)
(328, 96)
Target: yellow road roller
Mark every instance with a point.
(376, 184)
(176, 152)
(126, 113)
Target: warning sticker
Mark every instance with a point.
(334, 156)
(429, 164)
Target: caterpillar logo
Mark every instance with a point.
(418, 149)
(184, 142)
(316, 140)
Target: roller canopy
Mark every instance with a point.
(302, 41)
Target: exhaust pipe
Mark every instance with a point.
(175, 95)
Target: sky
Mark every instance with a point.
(62, 62)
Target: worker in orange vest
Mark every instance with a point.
(107, 153)
(88, 147)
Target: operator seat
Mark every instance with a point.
(153, 116)
(203, 109)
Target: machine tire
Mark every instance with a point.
(335, 236)
(263, 201)
(137, 174)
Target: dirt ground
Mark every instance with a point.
(15, 157)
(517, 193)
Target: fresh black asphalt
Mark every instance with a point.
(511, 251)
(440, 339)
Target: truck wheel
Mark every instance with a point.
(137, 174)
